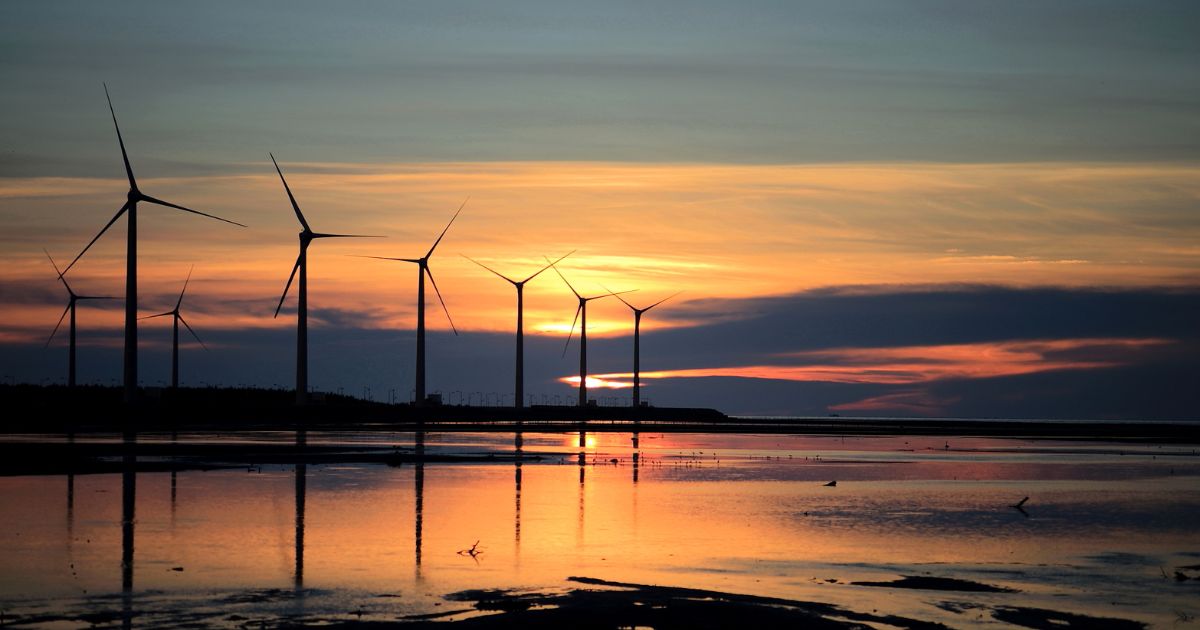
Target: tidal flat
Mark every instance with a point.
(605, 530)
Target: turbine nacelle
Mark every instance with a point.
(306, 236)
(423, 264)
(132, 198)
(639, 311)
(73, 297)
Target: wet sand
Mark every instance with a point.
(674, 530)
(590, 603)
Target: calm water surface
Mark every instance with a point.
(1104, 524)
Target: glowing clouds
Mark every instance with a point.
(606, 381)
(924, 364)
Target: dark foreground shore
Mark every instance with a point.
(586, 603)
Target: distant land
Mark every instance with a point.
(94, 408)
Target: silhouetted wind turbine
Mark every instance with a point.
(520, 285)
(306, 238)
(175, 319)
(70, 309)
(132, 199)
(423, 270)
(637, 344)
(582, 308)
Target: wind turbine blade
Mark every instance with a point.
(97, 237)
(185, 283)
(439, 294)
(124, 155)
(323, 235)
(488, 268)
(660, 301)
(439, 238)
(618, 296)
(548, 265)
(158, 315)
(564, 278)
(572, 332)
(411, 260)
(197, 337)
(295, 206)
(55, 265)
(60, 321)
(288, 285)
(60, 273)
(178, 207)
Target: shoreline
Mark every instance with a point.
(83, 453)
(96, 409)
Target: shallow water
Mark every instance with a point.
(1104, 530)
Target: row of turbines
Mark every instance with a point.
(299, 276)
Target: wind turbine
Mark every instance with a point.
(423, 270)
(637, 327)
(306, 239)
(582, 308)
(70, 309)
(133, 197)
(520, 285)
(175, 319)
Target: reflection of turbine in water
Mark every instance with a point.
(133, 197)
(71, 518)
(73, 298)
(581, 309)
(307, 235)
(301, 469)
(637, 344)
(518, 443)
(519, 395)
(71, 497)
(301, 494)
(128, 501)
(419, 493)
(422, 271)
(582, 476)
(636, 457)
(174, 440)
(175, 319)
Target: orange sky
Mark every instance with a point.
(708, 230)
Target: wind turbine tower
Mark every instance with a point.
(637, 336)
(133, 197)
(422, 271)
(519, 397)
(176, 318)
(581, 309)
(70, 309)
(307, 235)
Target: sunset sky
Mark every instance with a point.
(871, 208)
